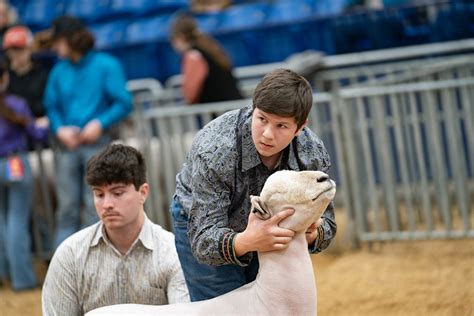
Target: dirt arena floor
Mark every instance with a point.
(393, 278)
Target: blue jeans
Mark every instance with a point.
(73, 191)
(206, 281)
(15, 237)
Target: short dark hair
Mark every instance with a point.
(117, 164)
(77, 36)
(82, 41)
(284, 93)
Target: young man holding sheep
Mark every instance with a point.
(230, 159)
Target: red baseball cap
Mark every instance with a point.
(17, 36)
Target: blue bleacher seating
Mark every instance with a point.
(208, 22)
(417, 26)
(148, 29)
(127, 8)
(352, 33)
(241, 47)
(454, 22)
(242, 16)
(39, 14)
(393, 29)
(88, 10)
(288, 10)
(330, 7)
(130, 7)
(394, 3)
(254, 31)
(109, 34)
(235, 28)
(173, 4)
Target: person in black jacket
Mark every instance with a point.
(27, 77)
(206, 68)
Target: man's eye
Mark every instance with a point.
(282, 126)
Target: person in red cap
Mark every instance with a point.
(27, 77)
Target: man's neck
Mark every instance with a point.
(124, 238)
(76, 57)
(271, 162)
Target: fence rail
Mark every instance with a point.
(402, 154)
(400, 136)
(409, 153)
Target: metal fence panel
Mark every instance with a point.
(411, 153)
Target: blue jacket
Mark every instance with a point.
(93, 88)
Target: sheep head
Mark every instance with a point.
(307, 192)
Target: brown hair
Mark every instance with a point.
(81, 41)
(285, 93)
(5, 112)
(185, 26)
(117, 164)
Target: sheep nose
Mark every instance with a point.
(323, 178)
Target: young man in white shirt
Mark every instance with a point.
(124, 258)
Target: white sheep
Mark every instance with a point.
(285, 283)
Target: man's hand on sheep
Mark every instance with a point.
(312, 231)
(264, 235)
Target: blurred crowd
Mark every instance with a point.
(69, 106)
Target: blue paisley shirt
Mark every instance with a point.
(220, 173)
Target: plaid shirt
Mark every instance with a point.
(220, 173)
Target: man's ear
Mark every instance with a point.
(301, 128)
(259, 208)
(144, 190)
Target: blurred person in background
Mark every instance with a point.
(8, 17)
(16, 185)
(28, 80)
(206, 69)
(27, 77)
(85, 95)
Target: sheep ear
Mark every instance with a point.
(259, 208)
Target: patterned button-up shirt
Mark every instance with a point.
(222, 170)
(88, 272)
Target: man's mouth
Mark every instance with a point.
(109, 214)
(266, 145)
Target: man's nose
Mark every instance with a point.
(108, 201)
(268, 132)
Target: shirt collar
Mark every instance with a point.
(145, 236)
(250, 157)
(292, 157)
